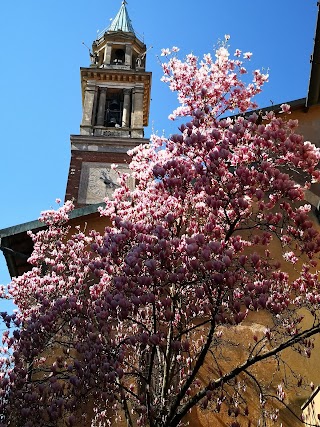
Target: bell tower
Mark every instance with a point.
(115, 110)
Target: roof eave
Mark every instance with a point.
(16, 244)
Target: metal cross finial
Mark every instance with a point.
(124, 2)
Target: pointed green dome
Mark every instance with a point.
(122, 22)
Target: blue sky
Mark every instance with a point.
(42, 51)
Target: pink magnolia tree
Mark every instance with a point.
(145, 321)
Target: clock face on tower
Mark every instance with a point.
(98, 181)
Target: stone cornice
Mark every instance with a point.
(104, 144)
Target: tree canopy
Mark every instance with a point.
(142, 322)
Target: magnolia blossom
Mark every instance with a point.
(165, 52)
(222, 54)
(285, 108)
(247, 55)
(291, 257)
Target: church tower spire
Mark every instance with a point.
(122, 21)
(115, 109)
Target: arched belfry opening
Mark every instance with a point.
(110, 112)
(118, 56)
(115, 108)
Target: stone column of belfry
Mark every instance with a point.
(89, 97)
(128, 55)
(101, 107)
(137, 116)
(126, 108)
(107, 54)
